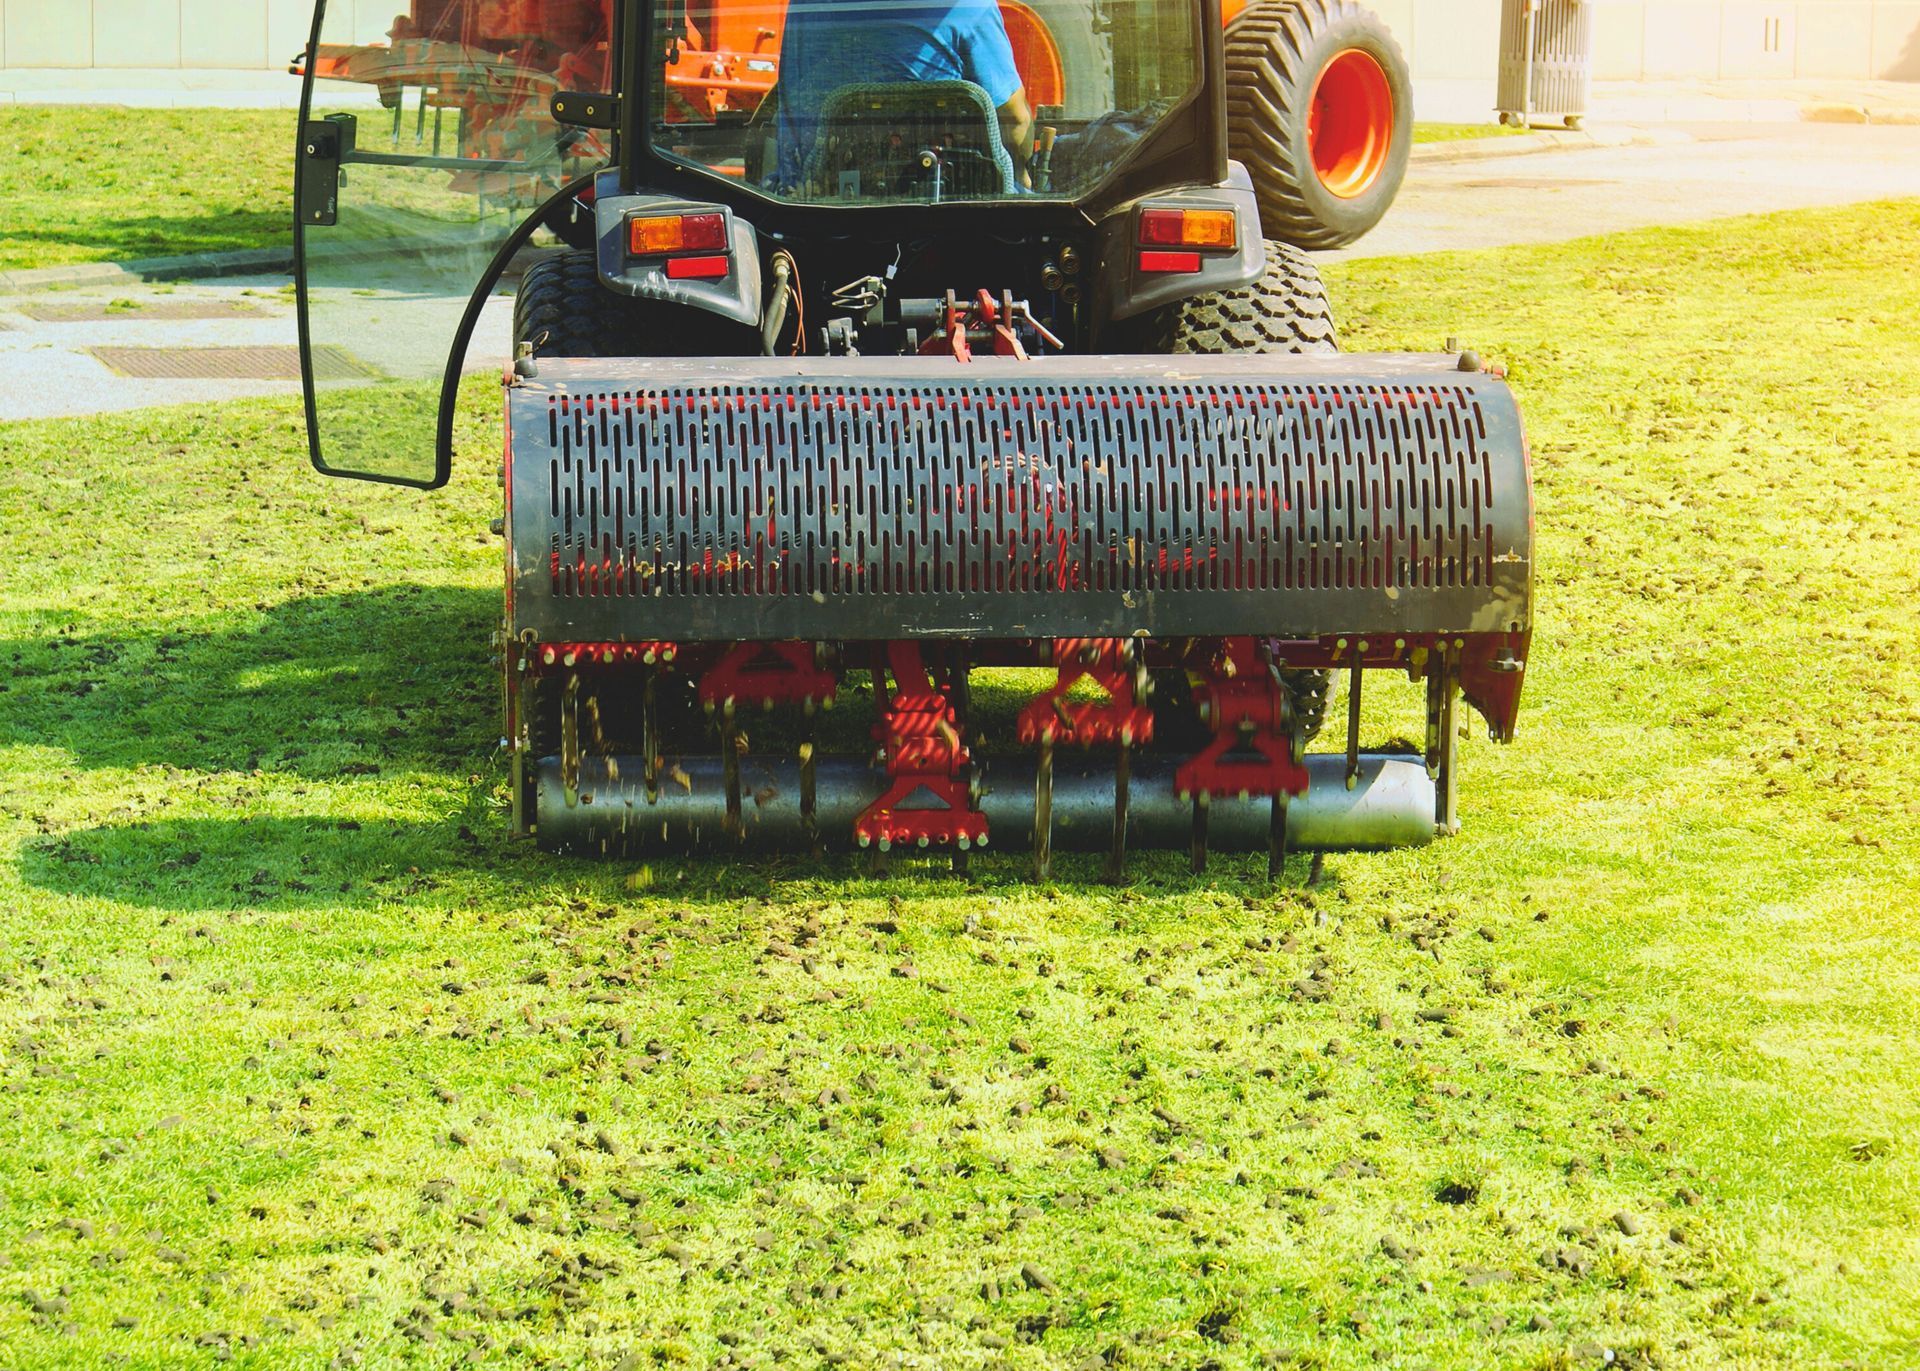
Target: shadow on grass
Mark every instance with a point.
(147, 237)
(321, 688)
(304, 860)
(314, 861)
(381, 691)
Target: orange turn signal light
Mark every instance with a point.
(660, 235)
(1189, 228)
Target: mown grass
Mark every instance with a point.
(83, 184)
(299, 1061)
(1454, 133)
(114, 185)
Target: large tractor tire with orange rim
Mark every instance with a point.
(1320, 111)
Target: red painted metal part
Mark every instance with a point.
(768, 674)
(1492, 666)
(952, 339)
(1119, 718)
(983, 321)
(927, 802)
(1252, 748)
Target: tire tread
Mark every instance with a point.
(1268, 51)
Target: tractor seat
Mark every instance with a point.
(914, 140)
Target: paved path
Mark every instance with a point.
(46, 370)
(52, 367)
(1692, 174)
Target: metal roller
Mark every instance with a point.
(1287, 496)
(1391, 804)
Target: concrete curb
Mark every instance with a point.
(1546, 140)
(1837, 113)
(191, 266)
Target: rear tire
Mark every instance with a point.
(1286, 310)
(1323, 179)
(564, 311)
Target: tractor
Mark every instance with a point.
(863, 351)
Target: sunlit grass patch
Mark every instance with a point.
(301, 1061)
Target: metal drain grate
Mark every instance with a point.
(96, 312)
(230, 364)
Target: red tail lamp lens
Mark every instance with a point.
(698, 268)
(658, 235)
(1169, 261)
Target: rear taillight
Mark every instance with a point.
(1169, 261)
(665, 235)
(1189, 228)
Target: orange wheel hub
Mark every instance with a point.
(1350, 124)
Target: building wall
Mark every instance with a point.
(1636, 40)
(1448, 40)
(240, 34)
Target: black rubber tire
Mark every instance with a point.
(1277, 51)
(564, 311)
(1286, 310)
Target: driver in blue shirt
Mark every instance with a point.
(834, 43)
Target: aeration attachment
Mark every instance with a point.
(1194, 546)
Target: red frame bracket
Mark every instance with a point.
(1119, 719)
(568, 656)
(768, 674)
(1252, 751)
(928, 802)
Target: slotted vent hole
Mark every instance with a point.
(820, 490)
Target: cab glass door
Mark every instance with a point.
(427, 140)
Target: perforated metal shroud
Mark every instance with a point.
(877, 498)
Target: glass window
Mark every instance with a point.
(445, 143)
(918, 101)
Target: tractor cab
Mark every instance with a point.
(905, 101)
(742, 160)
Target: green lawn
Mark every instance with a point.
(300, 1062)
(1454, 133)
(115, 185)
